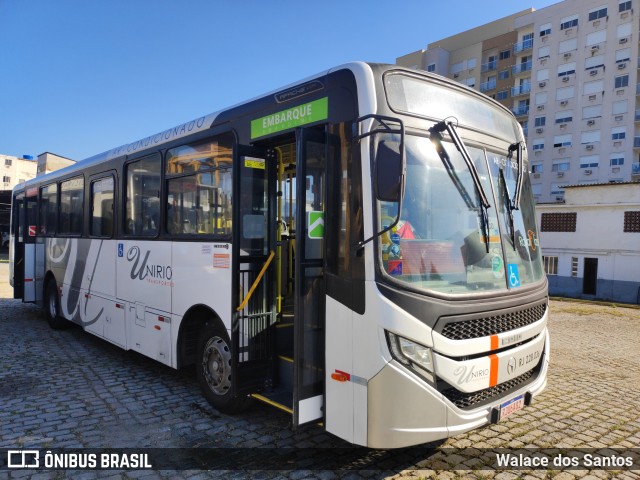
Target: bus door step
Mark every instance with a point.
(280, 398)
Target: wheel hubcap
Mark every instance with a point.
(216, 363)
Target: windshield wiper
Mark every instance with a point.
(512, 228)
(517, 147)
(436, 138)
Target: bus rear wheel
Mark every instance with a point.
(52, 306)
(214, 370)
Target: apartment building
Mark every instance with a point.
(569, 73)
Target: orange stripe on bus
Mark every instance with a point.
(494, 342)
(493, 378)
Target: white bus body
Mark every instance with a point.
(391, 331)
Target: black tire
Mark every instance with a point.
(214, 370)
(52, 306)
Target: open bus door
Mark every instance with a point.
(254, 304)
(309, 311)
(17, 245)
(25, 213)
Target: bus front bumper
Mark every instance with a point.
(404, 410)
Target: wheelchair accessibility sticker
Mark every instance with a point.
(514, 276)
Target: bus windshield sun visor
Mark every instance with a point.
(436, 138)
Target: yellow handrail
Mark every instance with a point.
(257, 281)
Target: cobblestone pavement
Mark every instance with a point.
(70, 389)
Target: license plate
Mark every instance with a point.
(513, 405)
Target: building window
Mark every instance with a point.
(8, 162)
(540, 121)
(592, 112)
(71, 206)
(568, 23)
(622, 81)
(596, 14)
(558, 222)
(618, 133)
(557, 189)
(550, 265)
(538, 145)
(505, 54)
(102, 207)
(616, 160)
(567, 69)
(632, 222)
(560, 141)
(545, 30)
(502, 95)
(503, 75)
(560, 167)
(431, 67)
(590, 161)
(536, 168)
(6, 179)
(574, 267)
(624, 6)
(564, 117)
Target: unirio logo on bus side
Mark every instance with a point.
(140, 269)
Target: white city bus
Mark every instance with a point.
(359, 248)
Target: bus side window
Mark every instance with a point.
(71, 206)
(102, 207)
(143, 196)
(199, 188)
(48, 209)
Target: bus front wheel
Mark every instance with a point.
(214, 369)
(52, 306)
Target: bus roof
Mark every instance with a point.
(362, 70)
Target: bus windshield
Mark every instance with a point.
(440, 243)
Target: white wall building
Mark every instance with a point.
(50, 162)
(569, 72)
(591, 243)
(15, 170)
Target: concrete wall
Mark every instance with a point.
(599, 234)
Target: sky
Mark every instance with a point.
(79, 77)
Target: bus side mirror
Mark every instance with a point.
(389, 171)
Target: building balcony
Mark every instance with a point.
(523, 110)
(486, 86)
(523, 89)
(522, 67)
(635, 168)
(523, 46)
(487, 67)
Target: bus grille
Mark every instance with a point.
(494, 324)
(467, 401)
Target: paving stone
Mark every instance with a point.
(96, 395)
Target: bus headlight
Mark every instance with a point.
(411, 354)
